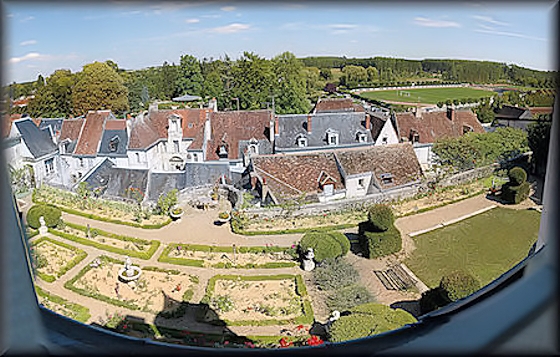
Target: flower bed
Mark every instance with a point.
(157, 290)
(258, 300)
(221, 257)
(62, 306)
(52, 258)
(134, 247)
(94, 208)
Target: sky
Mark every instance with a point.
(39, 38)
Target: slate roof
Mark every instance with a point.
(39, 142)
(114, 130)
(115, 181)
(163, 182)
(399, 160)
(200, 174)
(290, 175)
(377, 122)
(511, 112)
(347, 125)
(90, 136)
(336, 105)
(55, 123)
(232, 127)
(435, 125)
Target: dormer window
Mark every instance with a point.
(301, 141)
(414, 136)
(114, 144)
(386, 179)
(253, 149)
(362, 137)
(467, 129)
(332, 137)
(222, 152)
(385, 140)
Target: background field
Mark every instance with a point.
(486, 245)
(427, 95)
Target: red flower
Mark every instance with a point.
(284, 343)
(314, 341)
(226, 342)
(300, 327)
(125, 326)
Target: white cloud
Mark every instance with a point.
(343, 26)
(28, 18)
(29, 56)
(27, 43)
(490, 20)
(422, 21)
(228, 8)
(213, 16)
(192, 21)
(512, 34)
(489, 28)
(232, 28)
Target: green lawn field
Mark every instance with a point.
(427, 95)
(486, 245)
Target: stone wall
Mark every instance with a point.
(468, 176)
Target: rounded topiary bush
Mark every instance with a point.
(433, 299)
(325, 244)
(50, 213)
(459, 284)
(367, 320)
(517, 176)
(380, 217)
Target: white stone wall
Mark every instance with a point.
(352, 187)
(389, 132)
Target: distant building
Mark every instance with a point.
(518, 117)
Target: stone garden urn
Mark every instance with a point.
(308, 263)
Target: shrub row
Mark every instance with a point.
(452, 287)
(367, 320)
(80, 255)
(380, 217)
(50, 213)
(325, 245)
(154, 244)
(235, 229)
(79, 313)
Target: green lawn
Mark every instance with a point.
(427, 95)
(486, 245)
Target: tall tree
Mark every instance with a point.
(54, 99)
(289, 91)
(99, 87)
(538, 135)
(190, 80)
(252, 81)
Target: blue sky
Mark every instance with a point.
(42, 38)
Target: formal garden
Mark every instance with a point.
(453, 261)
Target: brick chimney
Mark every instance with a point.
(451, 114)
(368, 122)
(418, 113)
(276, 125)
(309, 124)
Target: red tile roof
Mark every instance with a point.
(399, 160)
(540, 110)
(336, 105)
(115, 124)
(92, 131)
(436, 125)
(290, 175)
(152, 127)
(231, 127)
(71, 128)
(7, 123)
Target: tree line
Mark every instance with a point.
(284, 82)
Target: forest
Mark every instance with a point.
(284, 83)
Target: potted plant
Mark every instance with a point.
(224, 216)
(175, 212)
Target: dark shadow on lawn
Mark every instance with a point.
(355, 246)
(410, 306)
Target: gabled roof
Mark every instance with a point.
(54, 123)
(290, 175)
(399, 160)
(90, 136)
(115, 132)
(70, 131)
(377, 123)
(147, 129)
(347, 125)
(230, 128)
(436, 125)
(39, 142)
(114, 181)
(335, 105)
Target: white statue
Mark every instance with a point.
(128, 266)
(334, 316)
(308, 262)
(43, 229)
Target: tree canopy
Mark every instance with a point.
(99, 87)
